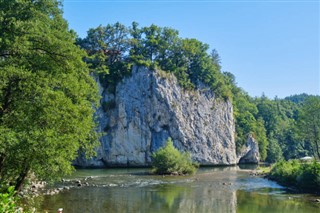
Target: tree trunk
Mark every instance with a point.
(20, 180)
(2, 158)
(317, 149)
(315, 134)
(6, 100)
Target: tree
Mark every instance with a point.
(46, 93)
(267, 110)
(168, 160)
(153, 47)
(260, 134)
(274, 153)
(309, 123)
(107, 48)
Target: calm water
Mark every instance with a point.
(222, 189)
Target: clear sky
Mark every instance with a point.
(271, 46)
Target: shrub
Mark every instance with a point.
(286, 172)
(168, 160)
(8, 201)
(309, 179)
(303, 176)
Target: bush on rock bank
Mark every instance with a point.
(168, 160)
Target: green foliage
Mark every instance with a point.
(274, 152)
(309, 178)
(276, 124)
(309, 123)
(8, 201)
(106, 48)
(298, 98)
(247, 121)
(46, 93)
(304, 176)
(261, 136)
(114, 48)
(286, 172)
(168, 160)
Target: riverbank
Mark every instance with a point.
(303, 177)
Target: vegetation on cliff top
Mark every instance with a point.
(112, 49)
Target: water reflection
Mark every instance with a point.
(211, 190)
(168, 195)
(257, 202)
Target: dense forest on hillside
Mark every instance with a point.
(47, 94)
(114, 48)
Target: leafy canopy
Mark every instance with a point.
(112, 49)
(46, 93)
(309, 124)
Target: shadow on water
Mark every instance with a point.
(248, 166)
(218, 189)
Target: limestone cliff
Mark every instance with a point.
(150, 106)
(250, 152)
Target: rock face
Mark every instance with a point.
(250, 153)
(149, 107)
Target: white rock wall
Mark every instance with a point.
(150, 106)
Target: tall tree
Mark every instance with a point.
(46, 93)
(309, 123)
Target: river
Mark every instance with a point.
(217, 189)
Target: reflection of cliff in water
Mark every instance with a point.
(209, 200)
(211, 189)
(162, 198)
(192, 199)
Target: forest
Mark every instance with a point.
(47, 94)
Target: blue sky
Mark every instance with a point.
(271, 46)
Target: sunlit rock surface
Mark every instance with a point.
(150, 106)
(250, 152)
